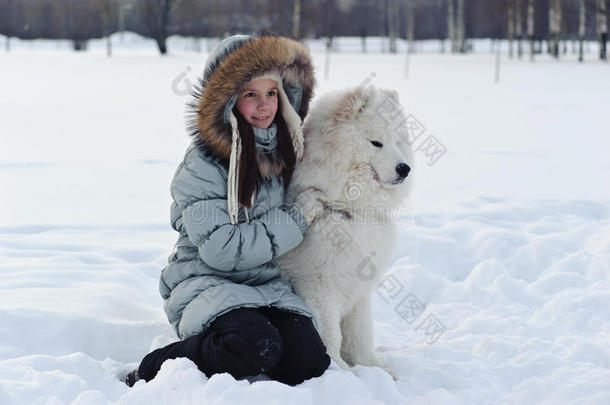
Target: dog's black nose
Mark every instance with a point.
(403, 170)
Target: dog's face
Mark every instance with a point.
(388, 164)
(354, 146)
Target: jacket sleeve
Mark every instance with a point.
(199, 189)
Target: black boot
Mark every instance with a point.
(132, 377)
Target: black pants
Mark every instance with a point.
(250, 341)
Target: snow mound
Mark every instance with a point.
(496, 302)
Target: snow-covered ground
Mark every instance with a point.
(499, 292)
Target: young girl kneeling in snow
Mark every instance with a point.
(223, 295)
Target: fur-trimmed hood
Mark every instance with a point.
(232, 66)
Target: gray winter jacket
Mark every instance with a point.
(217, 266)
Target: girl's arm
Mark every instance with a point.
(199, 191)
(225, 246)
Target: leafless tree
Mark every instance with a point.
(582, 21)
(602, 28)
(328, 18)
(518, 27)
(451, 31)
(410, 11)
(7, 21)
(78, 21)
(392, 15)
(555, 18)
(460, 27)
(510, 26)
(155, 15)
(106, 7)
(296, 18)
(530, 26)
(382, 16)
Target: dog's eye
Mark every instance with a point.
(377, 144)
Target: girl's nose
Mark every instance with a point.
(263, 102)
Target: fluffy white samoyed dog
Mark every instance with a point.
(352, 179)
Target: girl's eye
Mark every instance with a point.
(377, 144)
(249, 94)
(272, 93)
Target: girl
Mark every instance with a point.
(223, 294)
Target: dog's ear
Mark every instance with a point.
(385, 95)
(368, 94)
(392, 93)
(354, 102)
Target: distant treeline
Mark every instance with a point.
(456, 20)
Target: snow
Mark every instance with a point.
(499, 292)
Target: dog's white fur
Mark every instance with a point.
(356, 183)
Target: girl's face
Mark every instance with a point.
(257, 102)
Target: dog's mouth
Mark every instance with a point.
(393, 184)
(376, 175)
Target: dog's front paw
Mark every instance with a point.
(376, 361)
(341, 363)
(387, 369)
(311, 203)
(391, 372)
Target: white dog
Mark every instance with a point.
(352, 178)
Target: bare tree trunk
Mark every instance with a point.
(511, 26)
(602, 28)
(461, 27)
(381, 14)
(410, 25)
(530, 26)
(551, 26)
(197, 44)
(9, 6)
(392, 12)
(554, 26)
(296, 18)
(156, 17)
(164, 21)
(9, 22)
(582, 21)
(497, 65)
(106, 21)
(327, 57)
(518, 27)
(451, 25)
(328, 30)
(410, 34)
(79, 44)
(564, 30)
